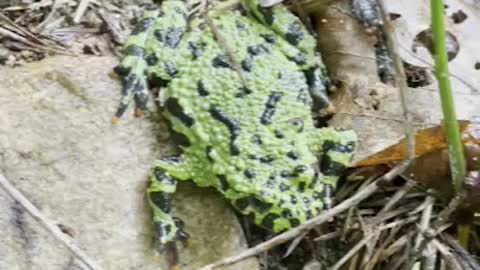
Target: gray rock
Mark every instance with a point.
(58, 147)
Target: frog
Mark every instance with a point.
(238, 87)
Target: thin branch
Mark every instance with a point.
(400, 80)
(48, 224)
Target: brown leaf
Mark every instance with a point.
(426, 141)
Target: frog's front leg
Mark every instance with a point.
(168, 229)
(152, 54)
(133, 66)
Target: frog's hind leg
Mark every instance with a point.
(336, 149)
(160, 193)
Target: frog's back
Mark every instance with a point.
(248, 129)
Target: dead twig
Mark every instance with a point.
(48, 224)
(400, 79)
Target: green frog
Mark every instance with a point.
(238, 87)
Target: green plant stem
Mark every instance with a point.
(455, 148)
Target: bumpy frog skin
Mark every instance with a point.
(240, 91)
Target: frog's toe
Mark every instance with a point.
(167, 235)
(181, 234)
(134, 87)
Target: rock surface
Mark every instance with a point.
(58, 147)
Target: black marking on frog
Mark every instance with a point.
(166, 229)
(208, 150)
(162, 200)
(285, 174)
(171, 36)
(121, 70)
(294, 222)
(283, 187)
(143, 25)
(223, 182)
(309, 214)
(170, 69)
(222, 61)
(269, 38)
(314, 181)
(151, 59)
(256, 50)
(260, 206)
(331, 167)
(256, 139)
(294, 33)
(299, 170)
(269, 220)
(267, 159)
(242, 92)
(267, 14)
(173, 159)
(202, 91)
(180, 139)
(302, 96)
(270, 184)
(312, 80)
(253, 156)
(292, 155)
(301, 187)
(278, 134)
(196, 48)
(161, 13)
(157, 81)
(241, 204)
(299, 59)
(247, 64)
(299, 125)
(293, 199)
(240, 25)
(232, 125)
(202, 26)
(287, 213)
(134, 50)
(338, 147)
(270, 105)
(176, 110)
(249, 173)
(131, 81)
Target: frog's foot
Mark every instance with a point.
(168, 229)
(170, 248)
(133, 67)
(134, 87)
(337, 148)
